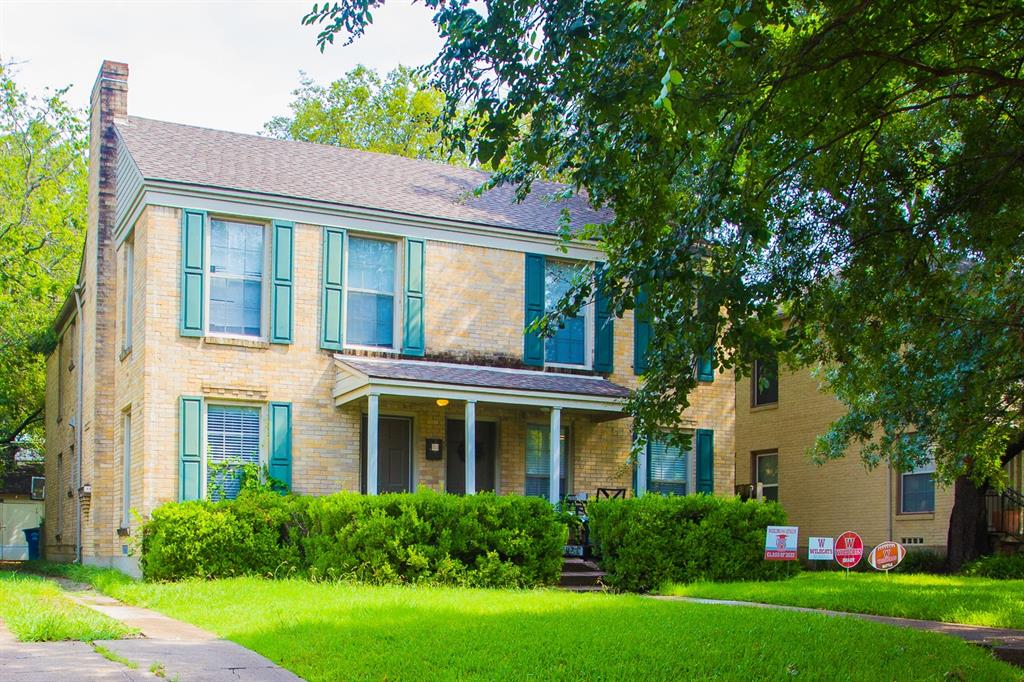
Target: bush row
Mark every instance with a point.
(643, 543)
(999, 566)
(424, 537)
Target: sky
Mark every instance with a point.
(218, 64)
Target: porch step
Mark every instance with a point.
(581, 575)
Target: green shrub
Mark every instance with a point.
(921, 561)
(200, 539)
(999, 566)
(478, 540)
(426, 537)
(643, 543)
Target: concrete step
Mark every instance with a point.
(581, 578)
(585, 588)
(575, 565)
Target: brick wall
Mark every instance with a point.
(839, 495)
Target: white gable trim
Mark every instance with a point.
(265, 207)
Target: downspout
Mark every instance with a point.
(78, 422)
(891, 495)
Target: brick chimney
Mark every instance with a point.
(109, 105)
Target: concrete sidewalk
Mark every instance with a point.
(1006, 644)
(178, 650)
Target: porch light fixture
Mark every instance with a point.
(441, 402)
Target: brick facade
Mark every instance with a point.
(839, 495)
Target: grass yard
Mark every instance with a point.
(331, 631)
(952, 599)
(36, 610)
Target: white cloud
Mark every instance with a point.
(225, 65)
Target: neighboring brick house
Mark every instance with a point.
(353, 321)
(775, 429)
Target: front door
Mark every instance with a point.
(486, 449)
(394, 455)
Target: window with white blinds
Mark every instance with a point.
(538, 461)
(232, 441)
(667, 468)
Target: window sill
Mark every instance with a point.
(235, 341)
(915, 516)
(763, 408)
(125, 352)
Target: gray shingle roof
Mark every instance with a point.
(484, 377)
(214, 158)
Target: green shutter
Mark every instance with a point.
(641, 331)
(604, 329)
(705, 461)
(193, 255)
(281, 305)
(413, 343)
(190, 448)
(280, 465)
(706, 366)
(533, 344)
(333, 296)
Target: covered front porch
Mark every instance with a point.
(468, 428)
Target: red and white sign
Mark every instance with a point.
(780, 543)
(849, 549)
(886, 556)
(820, 549)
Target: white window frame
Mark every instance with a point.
(264, 278)
(691, 466)
(928, 468)
(399, 293)
(568, 456)
(128, 295)
(126, 468)
(263, 431)
(587, 310)
(758, 485)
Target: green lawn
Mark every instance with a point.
(953, 599)
(331, 631)
(36, 610)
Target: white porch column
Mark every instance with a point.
(556, 455)
(470, 447)
(641, 468)
(372, 428)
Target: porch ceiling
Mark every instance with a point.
(356, 377)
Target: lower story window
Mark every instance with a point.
(917, 490)
(768, 476)
(232, 442)
(538, 461)
(668, 468)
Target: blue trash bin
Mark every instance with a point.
(32, 537)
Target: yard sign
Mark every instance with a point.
(886, 556)
(820, 549)
(780, 543)
(849, 549)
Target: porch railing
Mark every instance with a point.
(1006, 512)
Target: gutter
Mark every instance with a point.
(78, 290)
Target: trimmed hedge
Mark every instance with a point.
(998, 566)
(425, 537)
(644, 543)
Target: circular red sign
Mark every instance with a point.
(849, 549)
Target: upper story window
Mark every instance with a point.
(371, 283)
(237, 261)
(128, 295)
(765, 389)
(568, 345)
(917, 489)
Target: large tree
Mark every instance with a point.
(841, 182)
(43, 199)
(396, 114)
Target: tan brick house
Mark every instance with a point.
(351, 321)
(776, 426)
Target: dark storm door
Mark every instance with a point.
(486, 451)
(394, 455)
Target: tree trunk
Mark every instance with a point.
(968, 526)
